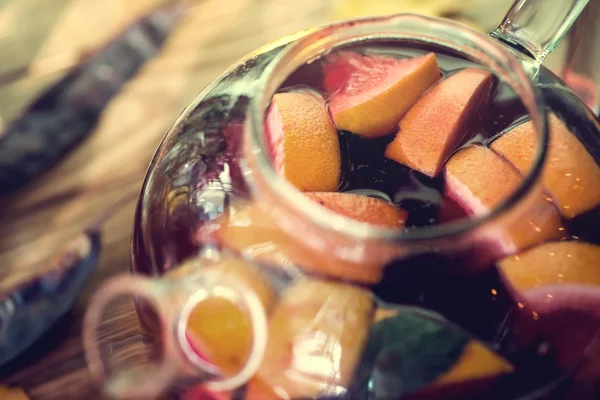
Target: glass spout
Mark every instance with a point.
(212, 323)
(535, 27)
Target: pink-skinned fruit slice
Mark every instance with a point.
(562, 321)
(553, 263)
(478, 180)
(440, 120)
(369, 94)
(303, 141)
(570, 174)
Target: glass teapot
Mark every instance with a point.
(348, 260)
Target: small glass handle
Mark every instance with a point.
(125, 384)
(535, 27)
(173, 300)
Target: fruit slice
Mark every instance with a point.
(370, 93)
(412, 351)
(476, 361)
(570, 173)
(217, 328)
(12, 393)
(316, 336)
(478, 180)
(564, 321)
(553, 263)
(362, 208)
(303, 141)
(441, 120)
(255, 233)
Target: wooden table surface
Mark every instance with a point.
(111, 163)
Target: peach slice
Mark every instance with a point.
(362, 208)
(440, 120)
(303, 141)
(570, 174)
(479, 180)
(253, 232)
(565, 318)
(370, 93)
(316, 336)
(553, 263)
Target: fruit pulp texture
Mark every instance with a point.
(480, 302)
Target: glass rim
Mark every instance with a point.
(478, 46)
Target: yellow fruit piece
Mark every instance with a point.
(220, 329)
(479, 180)
(303, 141)
(12, 393)
(476, 361)
(384, 313)
(316, 336)
(222, 332)
(553, 263)
(256, 234)
(570, 173)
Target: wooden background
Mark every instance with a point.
(111, 163)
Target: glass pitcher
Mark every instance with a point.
(263, 281)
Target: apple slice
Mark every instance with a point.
(570, 174)
(440, 120)
(316, 336)
(303, 141)
(553, 263)
(479, 180)
(255, 233)
(371, 93)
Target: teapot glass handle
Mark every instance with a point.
(535, 27)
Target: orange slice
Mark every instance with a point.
(479, 180)
(570, 173)
(362, 208)
(218, 329)
(553, 263)
(370, 93)
(303, 141)
(440, 120)
(316, 336)
(255, 233)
